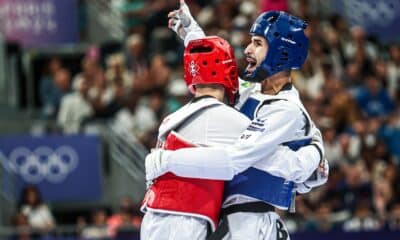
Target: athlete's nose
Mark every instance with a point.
(248, 49)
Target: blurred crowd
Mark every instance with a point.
(349, 84)
(34, 220)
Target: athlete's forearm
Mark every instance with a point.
(196, 33)
(196, 163)
(295, 166)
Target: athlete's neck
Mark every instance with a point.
(211, 90)
(272, 85)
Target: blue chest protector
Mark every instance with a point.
(259, 184)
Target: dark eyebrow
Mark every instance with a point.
(258, 41)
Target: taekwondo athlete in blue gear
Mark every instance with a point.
(262, 178)
(287, 49)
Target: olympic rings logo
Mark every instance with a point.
(379, 13)
(42, 163)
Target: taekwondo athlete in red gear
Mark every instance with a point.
(261, 179)
(183, 208)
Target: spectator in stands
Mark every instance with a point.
(136, 59)
(50, 92)
(80, 225)
(332, 146)
(102, 97)
(156, 76)
(159, 72)
(39, 215)
(373, 99)
(124, 218)
(339, 23)
(53, 89)
(136, 117)
(134, 13)
(392, 175)
(393, 220)
(118, 77)
(343, 107)
(381, 72)
(336, 51)
(23, 230)
(178, 95)
(97, 229)
(125, 119)
(363, 219)
(321, 220)
(75, 107)
(382, 196)
(155, 104)
(355, 186)
(394, 71)
(352, 76)
(360, 45)
(350, 148)
(322, 78)
(301, 78)
(90, 67)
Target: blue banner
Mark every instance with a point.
(63, 167)
(39, 22)
(379, 18)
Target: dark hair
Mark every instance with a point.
(24, 195)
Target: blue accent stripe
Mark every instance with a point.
(261, 185)
(249, 107)
(295, 145)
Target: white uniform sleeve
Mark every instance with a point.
(297, 165)
(196, 33)
(259, 141)
(190, 26)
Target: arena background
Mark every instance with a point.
(85, 83)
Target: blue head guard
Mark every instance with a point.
(287, 44)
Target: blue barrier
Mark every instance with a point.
(64, 168)
(373, 235)
(376, 235)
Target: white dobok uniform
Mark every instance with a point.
(203, 122)
(260, 165)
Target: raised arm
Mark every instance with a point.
(184, 25)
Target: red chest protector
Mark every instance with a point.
(185, 196)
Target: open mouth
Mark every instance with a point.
(252, 63)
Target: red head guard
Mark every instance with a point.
(211, 60)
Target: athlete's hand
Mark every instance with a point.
(318, 178)
(181, 21)
(154, 165)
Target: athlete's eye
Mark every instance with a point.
(257, 43)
